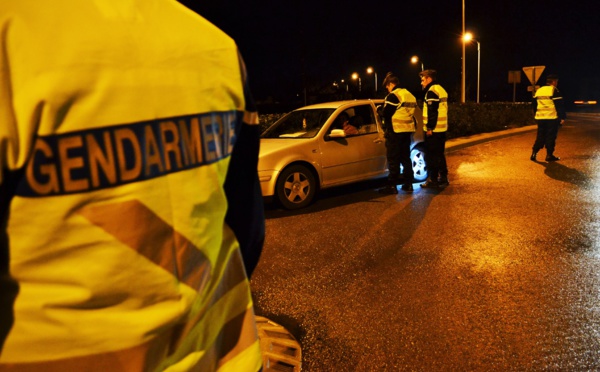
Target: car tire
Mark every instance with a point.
(296, 187)
(417, 156)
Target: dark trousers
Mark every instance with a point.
(398, 153)
(435, 157)
(546, 135)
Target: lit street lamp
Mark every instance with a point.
(371, 71)
(467, 38)
(341, 84)
(415, 59)
(356, 77)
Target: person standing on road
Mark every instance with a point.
(399, 125)
(128, 190)
(435, 126)
(550, 114)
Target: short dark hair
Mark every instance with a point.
(429, 73)
(551, 78)
(390, 78)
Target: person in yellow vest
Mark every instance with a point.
(435, 126)
(128, 190)
(399, 125)
(550, 114)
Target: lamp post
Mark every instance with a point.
(344, 82)
(478, 67)
(415, 59)
(467, 38)
(355, 76)
(371, 71)
(462, 82)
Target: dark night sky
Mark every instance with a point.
(287, 44)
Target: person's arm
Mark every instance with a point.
(8, 287)
(432, 100)
(350, 129)
(389, 108)
(559, 104)
(245, 214)
(8, 138)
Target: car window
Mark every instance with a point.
(298, 124)
(360, 117)
(363, 119)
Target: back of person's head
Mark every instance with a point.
(429, 73)
(552, 78)
(390, 78)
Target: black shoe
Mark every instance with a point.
(407, 188)
(389, 190)
(552, 158)
(443, 181)
(429, 184)
(533, 156)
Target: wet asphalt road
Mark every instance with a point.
(499, 271)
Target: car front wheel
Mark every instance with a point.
(296, 187)
(417, 156)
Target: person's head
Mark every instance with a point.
(390, 82)
(427, 76)
(341, 119)
(552, 79)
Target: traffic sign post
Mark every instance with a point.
(533, 73)
(514, 77)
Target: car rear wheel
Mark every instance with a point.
(417, 156)
(296, 187)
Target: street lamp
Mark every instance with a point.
(468, 37)
(415, 59)
(356, 77)
(371, 71)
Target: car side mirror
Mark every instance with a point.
(337, 133)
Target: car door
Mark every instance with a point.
(354, 157)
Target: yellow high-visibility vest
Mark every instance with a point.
(442, 120)
(122, 115)
(546, 110)
(402, 120)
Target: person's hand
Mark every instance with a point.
(350, 129)
(562, 121)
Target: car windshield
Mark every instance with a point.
(298, 124)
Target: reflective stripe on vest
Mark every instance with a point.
(402, 120)
(546, 110)
(442, 120)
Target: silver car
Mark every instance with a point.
(308, 150)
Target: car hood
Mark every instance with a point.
(269, 146)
